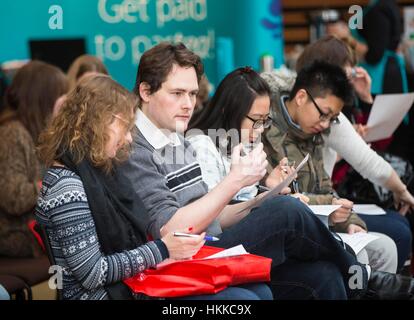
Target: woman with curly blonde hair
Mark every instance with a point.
(95, 222)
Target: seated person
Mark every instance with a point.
(29, 106)
(167, 177)
(95, 223)
(242, 103)
(342, 139)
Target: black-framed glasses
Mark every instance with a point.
(323, 116)
(261, 123)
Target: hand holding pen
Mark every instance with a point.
(294, 186)
(188, 235)
(279, 174)
(343, 213)
(183, 248)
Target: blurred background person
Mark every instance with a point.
(29, 104)
(84, 64)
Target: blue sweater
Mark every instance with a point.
(63, 209)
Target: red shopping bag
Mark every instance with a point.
(196, 277)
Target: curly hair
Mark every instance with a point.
(81, 126)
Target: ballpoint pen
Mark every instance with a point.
(187, 235)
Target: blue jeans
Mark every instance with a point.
(396, 227)
(255, 291)
(295, 280)
(284, 229)
(4, 295)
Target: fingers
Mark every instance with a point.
(235, 154)
(284, 162)
(258, 149)
(286, 191)
(340, 216)
(404, 209)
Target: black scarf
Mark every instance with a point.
(119, 214)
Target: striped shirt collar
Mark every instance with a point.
(156, 137)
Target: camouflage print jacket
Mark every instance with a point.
(285, 139)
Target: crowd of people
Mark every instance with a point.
(111, 175)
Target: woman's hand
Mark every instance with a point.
(182, 248)
(403, 201)
(279, 173)
(361, 81)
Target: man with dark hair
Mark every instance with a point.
(159, 62)
(318, 96)
(307, 261)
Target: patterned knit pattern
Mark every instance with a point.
(64, 211)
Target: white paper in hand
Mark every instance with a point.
(279, 188)
(357, 241)
(386, 114)
(324, 211)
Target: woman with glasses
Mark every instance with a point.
(238, 113)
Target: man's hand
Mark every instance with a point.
(353, 228)
(343, 213)
(249, 169)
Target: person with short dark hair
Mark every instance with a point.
(342, 138)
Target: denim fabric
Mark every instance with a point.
(320, 280)
(256, 291)
(284, 229)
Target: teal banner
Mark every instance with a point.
(119, 31)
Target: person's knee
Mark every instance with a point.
(239, 293)
(383, 254)
(261, 290)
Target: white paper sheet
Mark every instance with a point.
(231, 252)
(357, 241)
(369, 209)
(387, 113)
(324, 210)
(278, 189)
(235, 251)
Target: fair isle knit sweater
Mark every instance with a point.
(63, 209)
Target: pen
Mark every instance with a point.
(261, 188)
(295, 186)
(207, 238)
